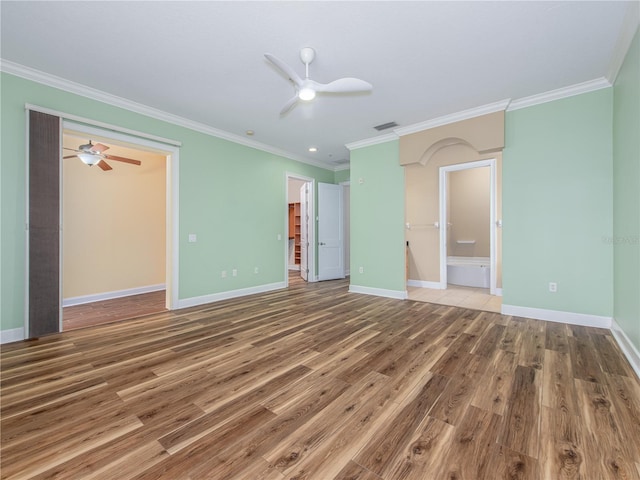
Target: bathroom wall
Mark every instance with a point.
(469, 212)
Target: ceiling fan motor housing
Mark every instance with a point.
(307, 54)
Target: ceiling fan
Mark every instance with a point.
(306, 89)
(91, 154)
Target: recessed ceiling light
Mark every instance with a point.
(313, 149)
(249, 132)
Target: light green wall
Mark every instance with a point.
(377, 217)
(557, 205)
(342, 176)
(231, 196)
(626, 194)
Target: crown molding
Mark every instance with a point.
(507, 105)
(47, 79)
(623, 44)
(564, 92)
(367, 142)
(627, 32)
(453, 117)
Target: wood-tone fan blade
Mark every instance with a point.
(104, 165)
(98, 147)
(123, 159)
(72, 149)
(69, 156)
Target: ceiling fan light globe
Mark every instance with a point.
(89, 159)
(306, 94)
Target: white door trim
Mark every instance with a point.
(444, 185)
(311, 249)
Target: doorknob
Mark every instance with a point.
(322, 243)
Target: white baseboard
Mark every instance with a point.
(379, 292)
(425, 284)
(294, 267)
(570, 318)
(97, 297)
(12, 335)
(216, 297)
(628, 348)
(437, 286)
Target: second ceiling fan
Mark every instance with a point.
(93, 154)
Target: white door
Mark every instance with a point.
(330, 232)
(304, 231)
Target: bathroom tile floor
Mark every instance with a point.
(466, 297)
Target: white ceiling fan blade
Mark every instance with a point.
(284, 68)
(344, 85)
(289, 105)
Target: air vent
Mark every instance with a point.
(384, 126)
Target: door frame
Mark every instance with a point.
(171, 155)
(311, 249)
(169, 148)
(443, 188)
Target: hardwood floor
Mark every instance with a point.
(114, 310)
(313, 382)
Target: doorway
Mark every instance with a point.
(35, 323)
(468, 230)
(467, 259)
(113, 233)
(470, 242)
(300, 239)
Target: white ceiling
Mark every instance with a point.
(204, 60)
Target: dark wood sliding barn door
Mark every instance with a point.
(44, 224)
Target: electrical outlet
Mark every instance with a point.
(361, 270)
(256, 271)
(553, 287)
(193, 238)
(234, 272)
(223, 274)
